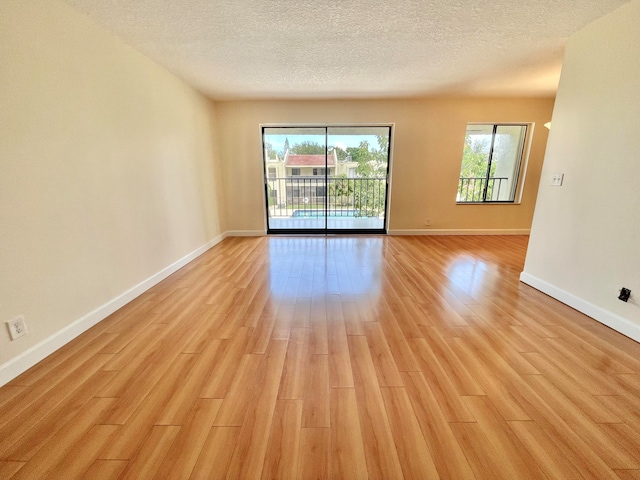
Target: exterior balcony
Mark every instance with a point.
(316, 202)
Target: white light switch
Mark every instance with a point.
(556, 180)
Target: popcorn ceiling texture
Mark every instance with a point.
(253, 49)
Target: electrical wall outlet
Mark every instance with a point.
(427, 222)
(17, 327)
(625, 294)
(556, 179)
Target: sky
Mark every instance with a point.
(338, 136)
(342, 141)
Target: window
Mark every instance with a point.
(321, 191)
(491, 161)
(295, 171)
(319, 171)
(272, 173)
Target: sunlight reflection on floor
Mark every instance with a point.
(322, 266)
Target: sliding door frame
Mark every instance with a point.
(326, 230)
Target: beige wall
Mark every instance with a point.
(108, 169)
(112, 169)
(585, 241)
(429, 135)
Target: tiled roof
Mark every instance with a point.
(309, 161)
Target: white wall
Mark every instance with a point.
(585, 239)
(108, 172)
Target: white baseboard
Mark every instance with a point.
(426, 231)
(245, 233)
(612, 320)
(461, 231)
(17, 365)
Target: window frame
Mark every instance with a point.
(520, 171)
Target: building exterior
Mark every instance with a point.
(302, 180)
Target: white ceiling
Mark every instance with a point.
(248, 49)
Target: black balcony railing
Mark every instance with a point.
(317, 196)
(480, 189)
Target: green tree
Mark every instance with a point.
(360, 154)
(341, 190)
(307, 148)
(286, 145)
(475, 157)
(383, 144)
(370, 190)
(372, 162)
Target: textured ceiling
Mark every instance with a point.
(244, 49)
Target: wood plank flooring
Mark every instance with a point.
(339, 357)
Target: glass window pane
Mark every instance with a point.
(295, 153)
(338, 185)
(491, 160)
(358, 185)
(475, 161)
(505, 162)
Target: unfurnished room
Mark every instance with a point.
(319, 239)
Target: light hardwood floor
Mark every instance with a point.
(344, 358)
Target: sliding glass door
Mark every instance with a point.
(326, 179)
